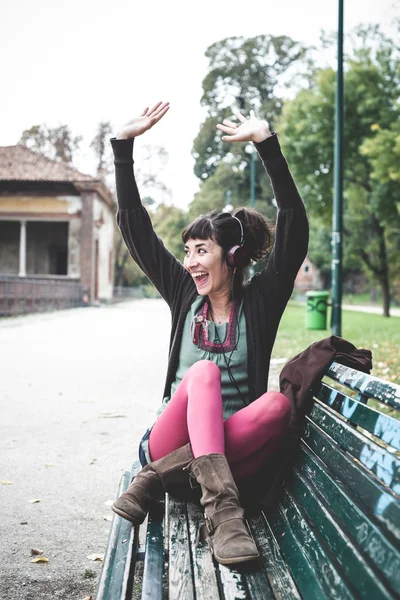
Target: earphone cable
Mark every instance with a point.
(226, 359)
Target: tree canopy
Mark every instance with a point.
(371, 141)
(246, 74)
(250, 74)
(55, 142)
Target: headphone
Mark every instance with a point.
(237, 255)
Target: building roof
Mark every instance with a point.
(19, 163)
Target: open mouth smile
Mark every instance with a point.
(200, 278)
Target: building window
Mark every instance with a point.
(9, 247)
(47, 248)
(307, 268)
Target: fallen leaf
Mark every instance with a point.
(4, 482)
(99, 557)
(93, 461)
(109, 502)
(87, 598)
(40, 559)
(111, 415)
(24, 523)
(34, 501)
(107, 518)
(36, 552)
(48, 464)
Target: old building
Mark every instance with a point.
(308, 277)
(56, 233)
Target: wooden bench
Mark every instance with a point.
(335, 534)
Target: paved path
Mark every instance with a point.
(63, 375)
(78, 388)
(394, 312)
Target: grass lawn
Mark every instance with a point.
(364, 298)
(378, 334)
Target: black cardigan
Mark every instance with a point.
(265, 296)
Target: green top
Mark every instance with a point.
(236, 357)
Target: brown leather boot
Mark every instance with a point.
(224, 518)
(150, 484)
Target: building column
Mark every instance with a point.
(22, 250)
(74, 250)
(87, 245)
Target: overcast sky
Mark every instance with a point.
(83, 61)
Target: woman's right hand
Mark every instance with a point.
(147, 119)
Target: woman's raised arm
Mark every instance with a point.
(291, 232)
(145, 247)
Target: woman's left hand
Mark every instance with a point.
(247, 130)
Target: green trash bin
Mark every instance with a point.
(317, 304)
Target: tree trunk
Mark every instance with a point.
(384, 270)
(117, 262)
(380, 270)
(119, 273)
(385, 297)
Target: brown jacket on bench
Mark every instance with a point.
(299, 381)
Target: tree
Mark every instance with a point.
(126, 271)
(247, 73)
(250, 71)
(372, 86)
(169, 222)
(230, 185)
(102, 149)
(54, 142)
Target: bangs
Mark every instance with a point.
(199, 229)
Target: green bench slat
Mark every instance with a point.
(344, 553)
(382, 426)
(278, 573)
(205, 577)
(231, 584)
(213, 580)
(247, 582)
(383, 506)
(311, 567)
(369, 386)
(383, 463)
(179, 554)
(351, 518)
(116, 578)
(153, 570)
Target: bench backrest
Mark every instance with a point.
(338, 525)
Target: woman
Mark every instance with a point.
(217, 423)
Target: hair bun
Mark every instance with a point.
(258, 237)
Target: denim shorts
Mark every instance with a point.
(144, 453)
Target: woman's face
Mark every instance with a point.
(210, 272)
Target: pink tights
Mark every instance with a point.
(194, 414)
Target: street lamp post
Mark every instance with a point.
(241, 103)
(228, 204)
(337, 225)
(252, 176)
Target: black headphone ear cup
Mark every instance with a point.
(230, 259)
(241, 257)
(237, 257)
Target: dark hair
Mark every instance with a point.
(225, 231)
